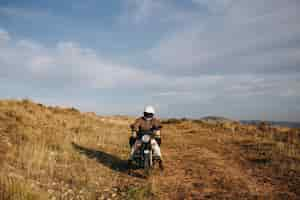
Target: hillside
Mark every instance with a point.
(216, 119)
(59, 153)
(273, 123)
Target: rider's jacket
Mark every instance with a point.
(141, 124)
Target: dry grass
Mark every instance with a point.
(40, 147)
(52, 152)
(13, 189)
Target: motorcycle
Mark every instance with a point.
(143, 156)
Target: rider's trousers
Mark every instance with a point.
(155, 147)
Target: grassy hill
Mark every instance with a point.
(273, 123)
(61, 153)
(216, 119)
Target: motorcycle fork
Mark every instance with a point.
(151, 153)
(147, 147)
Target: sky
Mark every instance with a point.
(193, 58)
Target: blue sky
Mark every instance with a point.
(234, 58)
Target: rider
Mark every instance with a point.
(146, 123)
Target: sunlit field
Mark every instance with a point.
(60, 153)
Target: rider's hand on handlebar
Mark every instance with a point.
(157, 133)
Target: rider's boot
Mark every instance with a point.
(129, 166)
(161, 166)
(129, 162)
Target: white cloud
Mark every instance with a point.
(248, 37)
(212, 55)
(69, 64)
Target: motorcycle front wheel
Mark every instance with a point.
(147, 164)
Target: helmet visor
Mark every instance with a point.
(148, 115)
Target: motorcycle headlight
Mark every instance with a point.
(146, 138)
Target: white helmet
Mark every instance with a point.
(149, 109)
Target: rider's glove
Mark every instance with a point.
(157, 137)
(157, 134)
(132, 139)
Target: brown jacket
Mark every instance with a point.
(144, 125)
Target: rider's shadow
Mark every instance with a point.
(113, 162)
